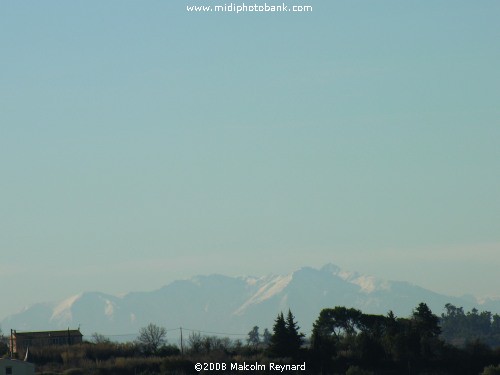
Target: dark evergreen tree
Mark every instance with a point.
(425, 321)
(279, 339)
(324, 342)
(423, 335)
(295, 338)
(286, 340)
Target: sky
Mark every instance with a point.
(141, 143)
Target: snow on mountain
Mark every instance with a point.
(266, 291)
(368, 284)
(218, 303)
(62, 311)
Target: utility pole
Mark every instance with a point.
(11, 345)
(182, 347)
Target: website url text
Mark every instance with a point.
(243, 8)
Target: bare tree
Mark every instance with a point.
(195, 342)
(254, 337)
(151, 338)
(98, 338)
(205, 344)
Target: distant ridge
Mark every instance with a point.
(235, 304)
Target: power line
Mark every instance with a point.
(216, 333)
(175, 329)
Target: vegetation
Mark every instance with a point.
(151, 338)
(460, 327)
(4, 348)
(343, 341)
(491, 370)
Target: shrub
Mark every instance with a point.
(491, 370)
(177, 365)
(74, 371)
(355, 370)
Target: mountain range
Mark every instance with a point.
(233, 305)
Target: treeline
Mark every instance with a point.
(345, 337)
(459, 327)
(343, 341)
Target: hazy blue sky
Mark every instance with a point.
(140, 143)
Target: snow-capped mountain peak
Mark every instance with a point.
(236, 304)
(62, 311)
(266, 290)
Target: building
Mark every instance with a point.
(15, 367)
(20, 341)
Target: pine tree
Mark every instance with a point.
(286, 339)
(295, 338)
(279, 339)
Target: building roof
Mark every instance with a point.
(17, 362)
(63, 333)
